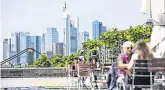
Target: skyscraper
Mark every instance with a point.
(43, 43)
(35, 43)
(58, 48)
(5, 48)
(71, 35)
(22, 39)
(18, 44)
(14, 47)
(84, 36)
(51, 37)
(103, 29)
(38, 45)
(97, 29)
(71, 29)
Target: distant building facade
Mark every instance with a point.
(51, 36)
(84, 36)
(97, 29)
(71, 32)
(58, 49)
(5, 49)
(35, 43)
(43, 43)
(18, 43)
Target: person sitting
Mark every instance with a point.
(81, 58)
(123, 60)
(111, 77)
(142, 52)
(94, 58)
(92, 61)
(125, 57)
(72, 64)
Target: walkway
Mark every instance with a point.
(30, 82)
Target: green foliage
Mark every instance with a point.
(56, 61)
(110, 39)
(91, 44)
(42, 61)
(115, 36)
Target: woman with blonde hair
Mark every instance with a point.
(142, 52)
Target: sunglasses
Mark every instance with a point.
(129, 47)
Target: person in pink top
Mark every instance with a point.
(125, 56)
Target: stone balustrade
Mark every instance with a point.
(32, 72)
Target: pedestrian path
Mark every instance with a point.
(29, 82)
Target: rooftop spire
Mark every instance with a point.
(64, 8)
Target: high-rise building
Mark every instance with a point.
(14, 47)
(71, 35)
(18, 44)
(71, 29)
(58, 48)
(35, 43)
(38, 46)
(84, 36)
(9, 48)
(80, 40)
(97, 29)
(22, 46)
(51, 37)
(5, 48)
(103, 29)
(43, 43)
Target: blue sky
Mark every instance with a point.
(35, 16)
(0, 34)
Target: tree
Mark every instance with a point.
(111, 39)
(42, 61)
(91, 44)
(115, 37)
(139, 32)
(57, 61)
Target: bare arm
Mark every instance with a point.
(121, 65)
(130, 64)
(128, 72)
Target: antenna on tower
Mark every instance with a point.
(64, 8)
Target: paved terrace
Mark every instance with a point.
(28, 77)
(34, 77)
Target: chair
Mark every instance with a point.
(141, 77)
(104, 72)
(105, 67)
(71, 76)
(123, 82)
(157, 66)
(120, 83)
(83, 72)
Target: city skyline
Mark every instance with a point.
(35, 16)
(24, 15)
